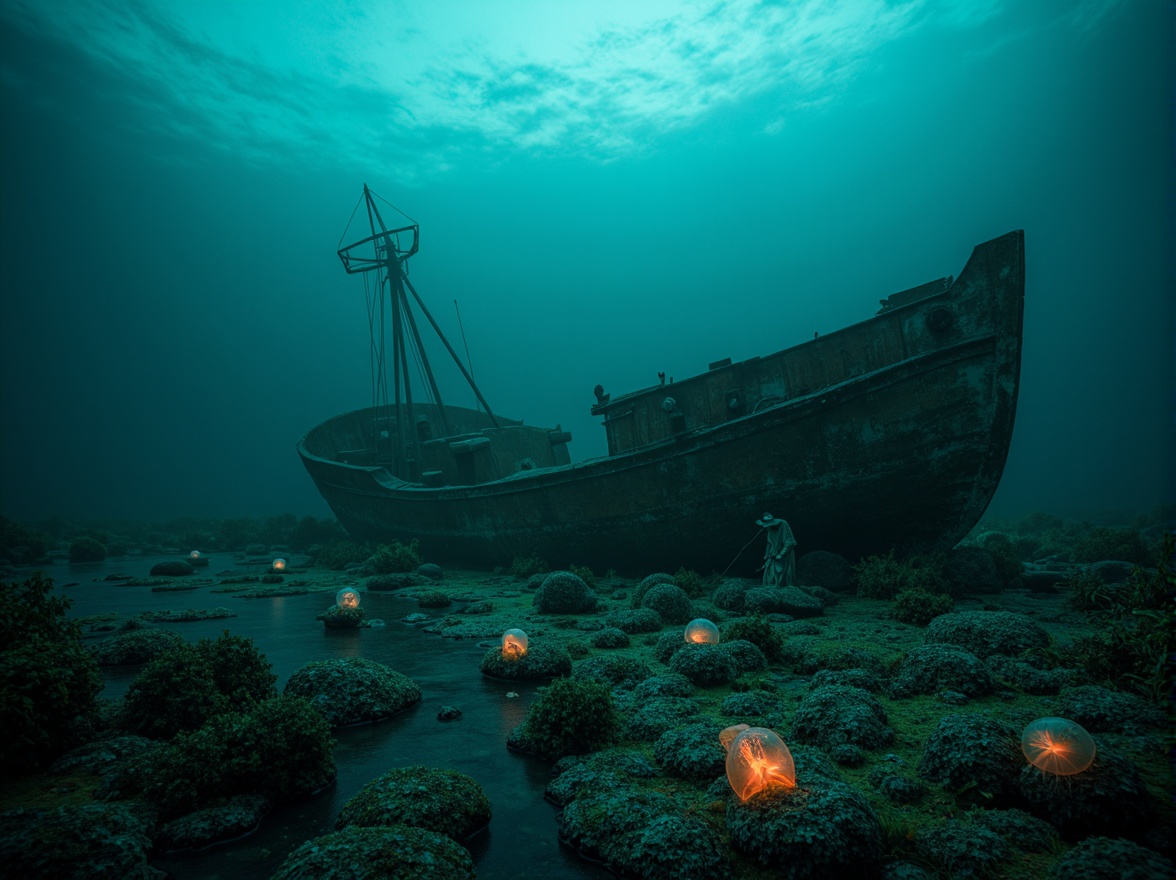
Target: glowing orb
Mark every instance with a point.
(1058, 746)
(195, 554)
(347, 598)
(279, 564)
(514, 644)
(701, 631)
(728, 734)
(758, 759)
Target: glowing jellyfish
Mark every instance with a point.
(279, 564)
(347, 598)
(701, 631)
(728, 734)
(514, 644)
(195, 554)
(1058, 746)
(758, 759)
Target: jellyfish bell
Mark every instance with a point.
(279, 564)
(347, 598)
(701, 631)
(727, 734)
(1058, 746)
(514, 644)
(758, 760)
(195, 554)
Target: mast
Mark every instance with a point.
(381, 253)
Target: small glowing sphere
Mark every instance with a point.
(347, 598)
(758, 759)
(701, 631)
(727, 734)
(1058, 746)
(195, 554)
(279, 564)
(514, 644)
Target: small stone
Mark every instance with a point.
(449, 713)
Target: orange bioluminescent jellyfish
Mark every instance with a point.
(514, 644)
(701, 631)
(279, 564)
(758, 759)
(1058, 746)
(728, 734)
(346, 598)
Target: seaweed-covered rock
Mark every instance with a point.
(829, 570)
(88, 842)
(386, 583)
(929, 669)
(543, 660)
(202, 828)
(693, 751)
(634, 620)
(1021, 831)
(433, 599)
(1101, 710)
(137, 646)
(894, 786)
(746, 655)
(866, 679)
(1028, 678)
(610, 637)
(667, 645)
(353, 690)
(973, 755)
(563, 592)
(758, 630)
(823, 828)
(972, 570)
(673, 684)
(642, 834)
(572, 716)
(444, 801)
(705, 664)
(1106, 858)
(394, 852)
(835, 714)
(731, 595)
(655, 716)
(648, 583)
(985, 633)
(1109, 797)
(670, 602)
(624, 672)
(341, 618)
(782, 600)
(431, 571)
(962, 849)
(608, 768)
(749, 704)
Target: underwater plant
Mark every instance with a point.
(394, 557)
(572, 716)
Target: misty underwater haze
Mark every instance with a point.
(343, 341)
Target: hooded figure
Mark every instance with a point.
(780, 554)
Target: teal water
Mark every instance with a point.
(521, 840)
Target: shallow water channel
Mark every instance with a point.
(521, 841)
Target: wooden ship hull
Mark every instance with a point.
(892, 432)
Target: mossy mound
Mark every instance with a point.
(985, 633)
(648, 583)
(635, 620)
(341, 618)
(1109, 797)
(543, 660)
(88, 842)
(202, 828)
(625, 672)
(1105, 858)
(822, 828)
(705, 665)
(563, 592)
(974, 756)
(1101, 710)
(670, 602)
(782, 600)
(746, 655)
(835, 714)
(654, 716)
(138, 646)
(929, 669)
(395, 852)
(353, 690)
(572, 716)
(672, 685)
(692, 752)
(433, 799)
(610, 637)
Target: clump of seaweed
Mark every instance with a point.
(394, 557)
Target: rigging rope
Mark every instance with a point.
(740, 553)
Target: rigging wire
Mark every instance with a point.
(737, 555)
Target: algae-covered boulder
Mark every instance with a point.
(353, 690)
(782, 600)
(985, 633)
(634, 620)
(973, 755)
(746, 655)
(393, 852)
(137, 646)
(202, 828)
(654, 716)
(1107, 858)
(625, 672)
(639, 833)
(88, 842)
(705, 665)
(444, 801)
(1101, 710)
(822, 828)
(670, 602)
(835, 714)
(929, 669)
(963, 850)
(692, 752)
(731, 595)
(543, 660)
(610, 637)
(341, 618)
(563, 592)
(1109, 797)
(671, 685)
(572, 716)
